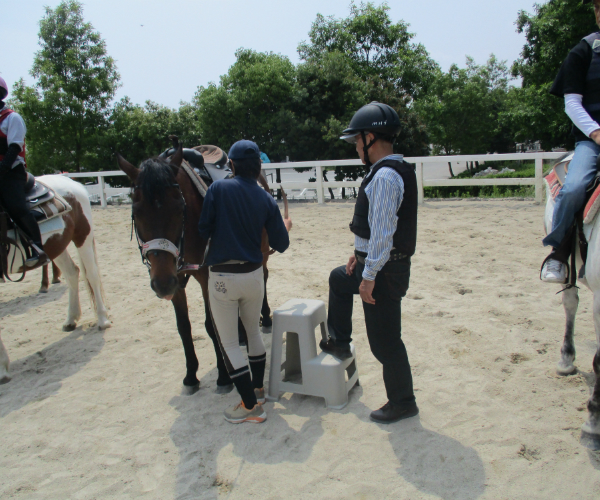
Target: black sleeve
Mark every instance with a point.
(573, 71)
(10, 157)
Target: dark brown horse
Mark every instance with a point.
(166, 210)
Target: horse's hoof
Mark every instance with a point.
(267, 329)
(69, 327)
(43, 290)
(590, 441)
(565, 369)
(104, 325)
(188, 390)
(224, 389)
(56, 282)
(5, 379)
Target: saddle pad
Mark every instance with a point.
(592, 206)
(51, 208)
(554, 184)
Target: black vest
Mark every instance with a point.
(405, 237)
(591, 95)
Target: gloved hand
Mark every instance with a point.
(9, 158)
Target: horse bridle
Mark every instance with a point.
(163, 244)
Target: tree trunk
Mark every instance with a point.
(343, 193)
(450, 168)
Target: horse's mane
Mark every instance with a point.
(156, 175)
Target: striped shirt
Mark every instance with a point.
(385, 193)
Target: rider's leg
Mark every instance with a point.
(12, 193)
(571, 198)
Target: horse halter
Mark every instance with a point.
(162, 244)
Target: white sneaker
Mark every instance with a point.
(553, 271)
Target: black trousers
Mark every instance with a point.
(12, 196)
(382, 320)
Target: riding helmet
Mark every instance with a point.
(3, 89)
(375, 117)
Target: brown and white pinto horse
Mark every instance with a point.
(166, 210)
(79, 230)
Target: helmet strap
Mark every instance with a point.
(366, 147)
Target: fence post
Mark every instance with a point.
(420, 190)
(539, 172)
(102, 193)
(319, 172)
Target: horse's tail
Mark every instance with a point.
(89, 288)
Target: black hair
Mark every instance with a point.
(386, 138)
(247, 167)
(3, 93)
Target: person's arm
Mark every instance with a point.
(206, 224)
(277, 231)
(580, 117)
(16, 130)
(385, 196)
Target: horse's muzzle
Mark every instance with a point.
(165, 287)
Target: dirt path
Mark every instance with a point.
(95, 414)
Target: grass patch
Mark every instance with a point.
(521, 169)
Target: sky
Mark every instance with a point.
(165, 50)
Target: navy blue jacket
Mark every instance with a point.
(234, 213)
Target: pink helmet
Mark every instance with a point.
(3, 88)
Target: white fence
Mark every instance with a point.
(103, 193)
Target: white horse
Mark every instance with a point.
(590, 431)
(77, 228)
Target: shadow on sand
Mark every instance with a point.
(436, 464)
(20, 305)
(40, 375)
(200, 433)
(433, 463)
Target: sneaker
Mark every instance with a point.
(260, 396)
(337, 350)
(239, 413)
(390, 413)
(553, 271)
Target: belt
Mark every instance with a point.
(360, 256)
(246, 267)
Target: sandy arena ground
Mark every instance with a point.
(93, 414)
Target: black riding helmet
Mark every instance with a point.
(379, 119)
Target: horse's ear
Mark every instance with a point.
(177, 158)
(128, 168)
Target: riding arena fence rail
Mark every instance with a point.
(104, 193)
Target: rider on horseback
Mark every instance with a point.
(13, 177)
(578, 81)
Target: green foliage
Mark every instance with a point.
(350, 62)
(521, 169)
(70, 103)
(379, 51)
(250, 102)
(140, 132)
(554, 29)
(463, 106)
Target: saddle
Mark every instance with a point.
(208, 172)
(47, 207)
(580, 231)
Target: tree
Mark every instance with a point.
(554, 29)
(140, 132)
(463, 107)
(379, 50)
(67, 109)
(250, 102)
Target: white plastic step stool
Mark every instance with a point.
(305, 372)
